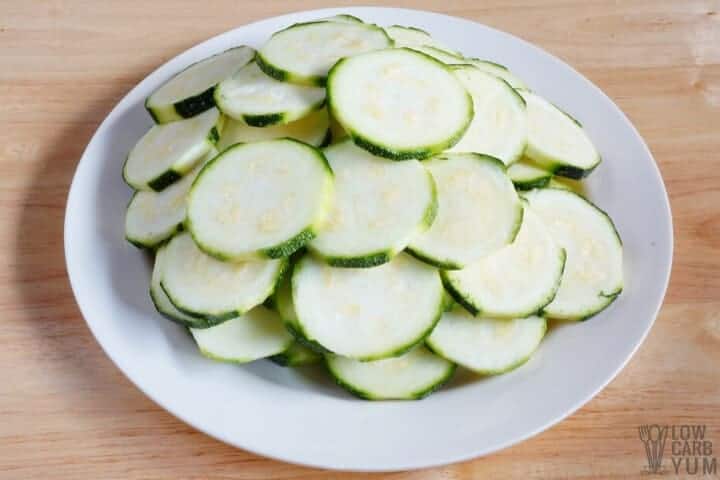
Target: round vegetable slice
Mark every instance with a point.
(379, 206)
(444, 56)
(413, 37)
(313, 129)
(500, 71)
(526, 175)
(263, 199)
(367, 313)
(399, 103)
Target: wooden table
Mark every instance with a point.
(65, 409)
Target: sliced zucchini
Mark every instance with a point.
(479, 211)
(593, 276)
(527, 175)
(485, 345)
(379, 206)
(153, 217)
(256, 334)
(169, 151)
(444, 56)
(499, 127)
(342, 18)
(516, 281)
(202, 286)
(337, 133)
(303, 53)
(258, 100)
(190, 92)
(414, 37)
(564, 183)
(263, 199)
(411, 376)
(556, 141)
(367, 313)
(399, 103)
(296, 355)
(498, 70)
(313, 129)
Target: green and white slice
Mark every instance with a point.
(256, 334)
(337, 132)
(379, 206)
(367, 313)
(411, 376)
(499, 127)
(516, 281)
(414, 37)
(202, 286)
(153, 217)
(398, 103)
(263, 199)
(526, 175)
(485, 345)
(500, 71)
(259, 100)
(313, 129)
(341, 18)
(444, 56)
(556, 141)
(190, 92)
(296, 355)
(304, 53)
(593, 276)
(167, 152)
(479, 211)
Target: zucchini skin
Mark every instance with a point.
(365, 261)
(198, 323)
(296, 355)
(284, 76)
(531, 184)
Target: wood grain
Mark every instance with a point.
(67, 412)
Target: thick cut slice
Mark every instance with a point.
(479, 211)
(527, 175)
(263, 199)
(498, 70)
(304, 53)
(499, 127)
(516, 281)
(593, 275)
(379, 206)
(259, 100)
(313, 129)
(202, 286)
(296, 355)
(257, 334)
(485, 345)
(367, 313)
(414, 37)
(167, 152)
(411, 376)
(557, 141)
(399, 103)
(341, 18)
(190, 92)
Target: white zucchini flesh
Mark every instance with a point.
(379, 206)
(556, 140)
(516, 281)
(444, 56)
(312, 129)
(593, 275)
(203, 286)
(367, 313)
(413, 37)
(498, 70)
(499, 127)
(411, 376)
(526, 175)
(399, 103)
(486, 345)
(479, 211)
(262, 199)
(252, 97)
(169, 151)
(190, 92)
(304, 53)
(256, 334)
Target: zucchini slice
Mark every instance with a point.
(526, 175)
(485, 345)
(593, 276)
(516, 281)
(200, 285)
(313, 129)
(296, 355)
(256, 334)
(190, 92)
(263, 199)
(341, 18)
(499, 127)
(479, 211)
(367, 313)
(303, 53)
(414, 37)
(411, 376)
(379, 206)
(399, 103)
(556, 141)
(498, 70)
(167, 152)
(444, 56)
(258, 100)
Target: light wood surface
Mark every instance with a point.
(67, 412)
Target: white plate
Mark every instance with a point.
(298, 418)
